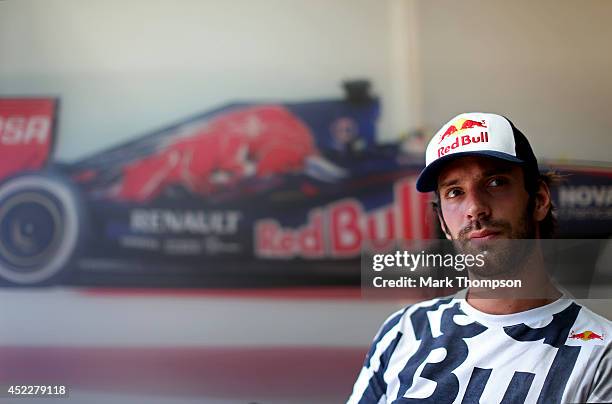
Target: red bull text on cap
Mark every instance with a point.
(475, 134)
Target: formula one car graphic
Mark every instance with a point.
(246, 195)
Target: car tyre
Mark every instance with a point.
(41, 228)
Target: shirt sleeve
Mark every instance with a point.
(601, 391)
(370, 387)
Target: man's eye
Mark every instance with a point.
(453, 192)
(496, 182)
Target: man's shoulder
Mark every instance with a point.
(590, 325)
(588, 313)
(406, 312)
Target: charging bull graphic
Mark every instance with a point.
(586, 335)
(250, 142)
(460, 125)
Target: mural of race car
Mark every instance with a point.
(246, 195)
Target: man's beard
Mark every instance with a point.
(504, 256)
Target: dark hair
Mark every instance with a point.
(548, 225)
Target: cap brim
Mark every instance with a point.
(428, 179)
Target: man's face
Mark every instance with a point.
(482, 201)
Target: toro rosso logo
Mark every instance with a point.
(456, 128)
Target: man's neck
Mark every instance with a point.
(536, 290)
(509, 306)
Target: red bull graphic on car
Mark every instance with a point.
(344, 228)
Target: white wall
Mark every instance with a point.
(122, 68)
(545, 64)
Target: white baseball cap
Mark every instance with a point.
(475, 134)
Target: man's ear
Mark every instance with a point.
(443, 224)
(435, 204)
(542, 202)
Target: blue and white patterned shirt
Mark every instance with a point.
(446, 351)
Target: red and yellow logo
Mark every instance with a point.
(586, 335)
(456, 128)
(461, 124)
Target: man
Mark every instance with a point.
(533, 346)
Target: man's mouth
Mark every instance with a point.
(483, 235)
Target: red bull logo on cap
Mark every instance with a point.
(460, 125)
(456, 128)
(586, 335)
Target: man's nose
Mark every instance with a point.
(477, 205)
